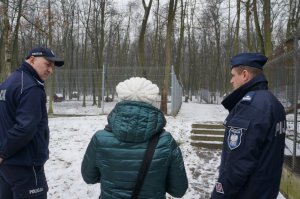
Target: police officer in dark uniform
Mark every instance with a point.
(254, 140)
(24, 131)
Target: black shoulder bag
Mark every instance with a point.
(145, 165)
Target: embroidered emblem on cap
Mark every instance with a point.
(234, 138)
(37, 54)
(219, 188)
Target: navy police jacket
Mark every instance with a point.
(253, 146)
(24, 132)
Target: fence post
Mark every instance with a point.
(103, 87)
(296, 64)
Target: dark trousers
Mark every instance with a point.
(20, 182)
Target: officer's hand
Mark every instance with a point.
(1, 160)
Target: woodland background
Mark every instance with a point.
(197, 37)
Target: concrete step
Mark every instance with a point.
(208, 145)
(206, 138)
(208, 126)
(206, 131)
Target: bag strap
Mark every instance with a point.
(145, 165)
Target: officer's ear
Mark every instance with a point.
(30, 60)
(246, 75)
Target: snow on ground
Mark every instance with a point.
(71, 135)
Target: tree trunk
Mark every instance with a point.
(237, 27)
(257, 28)
(293, 20)
(178, 63)
(85, 71)
(248, 22)
(141, 42)
(155, 46)
(267, 27)
(6, 33)
(168, 52)
(15, 48)
(51, 79)
(101, 47)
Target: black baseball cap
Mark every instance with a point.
(47, 53)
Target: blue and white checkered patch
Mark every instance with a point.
(234, 138)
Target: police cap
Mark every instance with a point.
(256, 60)
(47, 53)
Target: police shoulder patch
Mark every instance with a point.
(248, 97)
(234, 137)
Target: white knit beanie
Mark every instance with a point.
(138, 89)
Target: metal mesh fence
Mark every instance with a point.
(282, 73)
(76, 83)
(114, 75)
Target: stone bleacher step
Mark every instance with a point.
(208, 136)
(208, 126)
(208, 145)
(208, 131)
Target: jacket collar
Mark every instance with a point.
(257, 83)
(26, 67)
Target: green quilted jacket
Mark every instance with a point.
(114, 155)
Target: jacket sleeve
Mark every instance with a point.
(242, 160)
(28, 116)
(89, 171)
(177, 182)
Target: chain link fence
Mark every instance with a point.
(283, 74)
(113, 75)
(79, 84)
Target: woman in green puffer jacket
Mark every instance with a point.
(114, 155)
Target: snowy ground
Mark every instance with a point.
(70, 137)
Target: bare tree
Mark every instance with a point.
(155, 41)
(67, 29)
(208, 34)
(267, 27)
(248, 22)
(6, 38)
(168, 53)
(192, 51)
(51, 80)
(257, 28)
(178, 63)
(101, 48)
(125, 44)
(15, 45)
(141, 42)
(215, 15)
(237, 27)
(294, 17)
(85, 55)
